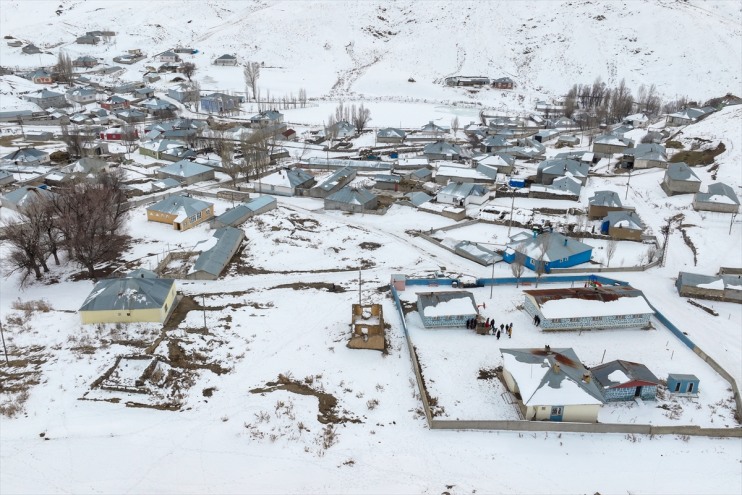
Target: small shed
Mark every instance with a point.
(367, 327)
(220, 250)
(682, 384)
(241, 213)
(680, 179)
(446, 308)
(624, 225)
(387, 182)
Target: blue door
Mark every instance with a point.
(556, 413)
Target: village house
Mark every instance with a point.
(680, 179)
(85, 167)
(390, 135)
(83, 96)
(724, 287)
(130, 116)
(30, 49)
(467, 81)
(163, 185)
(186, 171)
(115, 102)
(476, 253)
(212, 261)
(601, 203)
(168, 57)
(621, 380)
(182, 212)
(47, 99)
(719, 197)
(26, 156)
(569, 140)
(453, 173)
(339, 179)
(182, 92)
(442, 150)
(446, 308)
(553, 385)
(588, 308)
(289, 135)
(6, 178)
(284, 182)
(87, 40)
(119, 133)
(622, 225)
(543, 252)
(220, 102)
(609, 144)
(548, 170)
(492, 144)
(563, 188)
(502, 162)
(687, 116)
(140, 94)
(351, 199)
(340, 130)
(503, 83)
(166, 150)
(462, 194)
(139, 297)
(416, 198)
(637, 120)
(20, 198)
(645, 155)
(156, 106)
(234, 217)
(85, 61)
(226, 59)
(41, 76)
(266, 118)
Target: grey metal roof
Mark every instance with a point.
(352, 196)
(141, 273)
(260, 202)
(215, 259)
(128, 293)
(648, 151)
(176, 204)
(566, 184)
(418, 198)
(429, 299)
(422, 173)
(558, 246)
(715, 192)
(394, 179)
(682, 376)
(391, 132)
(433, 127)
(166, 183)
(463, 189)
(681, 171)
(562, 166)
(605, 198)
(85, 165)
(570, 367)
(297, 177)
(441, 148)
(336, 177)
(25, 195)
(227, 56)
(634, 371)
(26, 155)
(185, 168)
(629, 219)
(234, 216)
(687, 279)
(495, 141)
(480, 253)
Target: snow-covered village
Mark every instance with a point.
(370, 247)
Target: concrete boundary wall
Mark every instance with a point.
(547, 426)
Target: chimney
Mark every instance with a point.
(547, 348)
(565, 241)
(586, 377)
(556, 368)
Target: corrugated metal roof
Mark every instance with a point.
(337, 177)
(634, 371)
(352, 196)
(260, 202)
(185, 168)
(175, 204)
(215, 259)
(626, 219)
(605, 198)
(128, 293)
(716, 193)
(681, 171)
(418, 198)
(564, 166)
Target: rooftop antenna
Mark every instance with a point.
(360, 284)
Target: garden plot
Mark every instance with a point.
(452, 360)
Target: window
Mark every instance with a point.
(677, 387)
(198, 215)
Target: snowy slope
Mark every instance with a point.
(371, 48)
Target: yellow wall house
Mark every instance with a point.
(182, 212)
(138, 297)
(552, 385)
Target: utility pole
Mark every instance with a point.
(492, 284)
(5, 349)
(512, 205)
(627, 186)
(360, 284)
(731, 221)
(203, 305)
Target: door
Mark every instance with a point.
(556, 413)
(638, 392)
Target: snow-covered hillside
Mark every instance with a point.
(371, 48)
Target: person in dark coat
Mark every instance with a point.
(498, 335)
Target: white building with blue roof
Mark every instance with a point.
(186, 171)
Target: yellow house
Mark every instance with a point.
(138, 297)
(182, 212)
(551, 385)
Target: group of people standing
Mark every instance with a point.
(490, 327)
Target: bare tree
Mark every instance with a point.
(303, 97)
(610, 250)
(91, 217)
(224, 148)
(517, 267)
(455, 126)
(64, 67)
(188, 68)
(193, 95)
(360, 116)
(26, 252)
(76, 139)
(129, 138)
(251, 71)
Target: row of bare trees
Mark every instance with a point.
(85, 219)
(247, 158)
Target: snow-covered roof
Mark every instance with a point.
(391, 132)
(564, 166)
(605, 198)
(128, 293)
(553, 377)
(557, 245)
(214, 259)
(352, 196)
(681, 171)
(624, 220)
(184, 168)
(719, 193)
(176, 205)
(463, 190)
(442, 148)
(437, 304)
(619, 372)
(293, 177)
